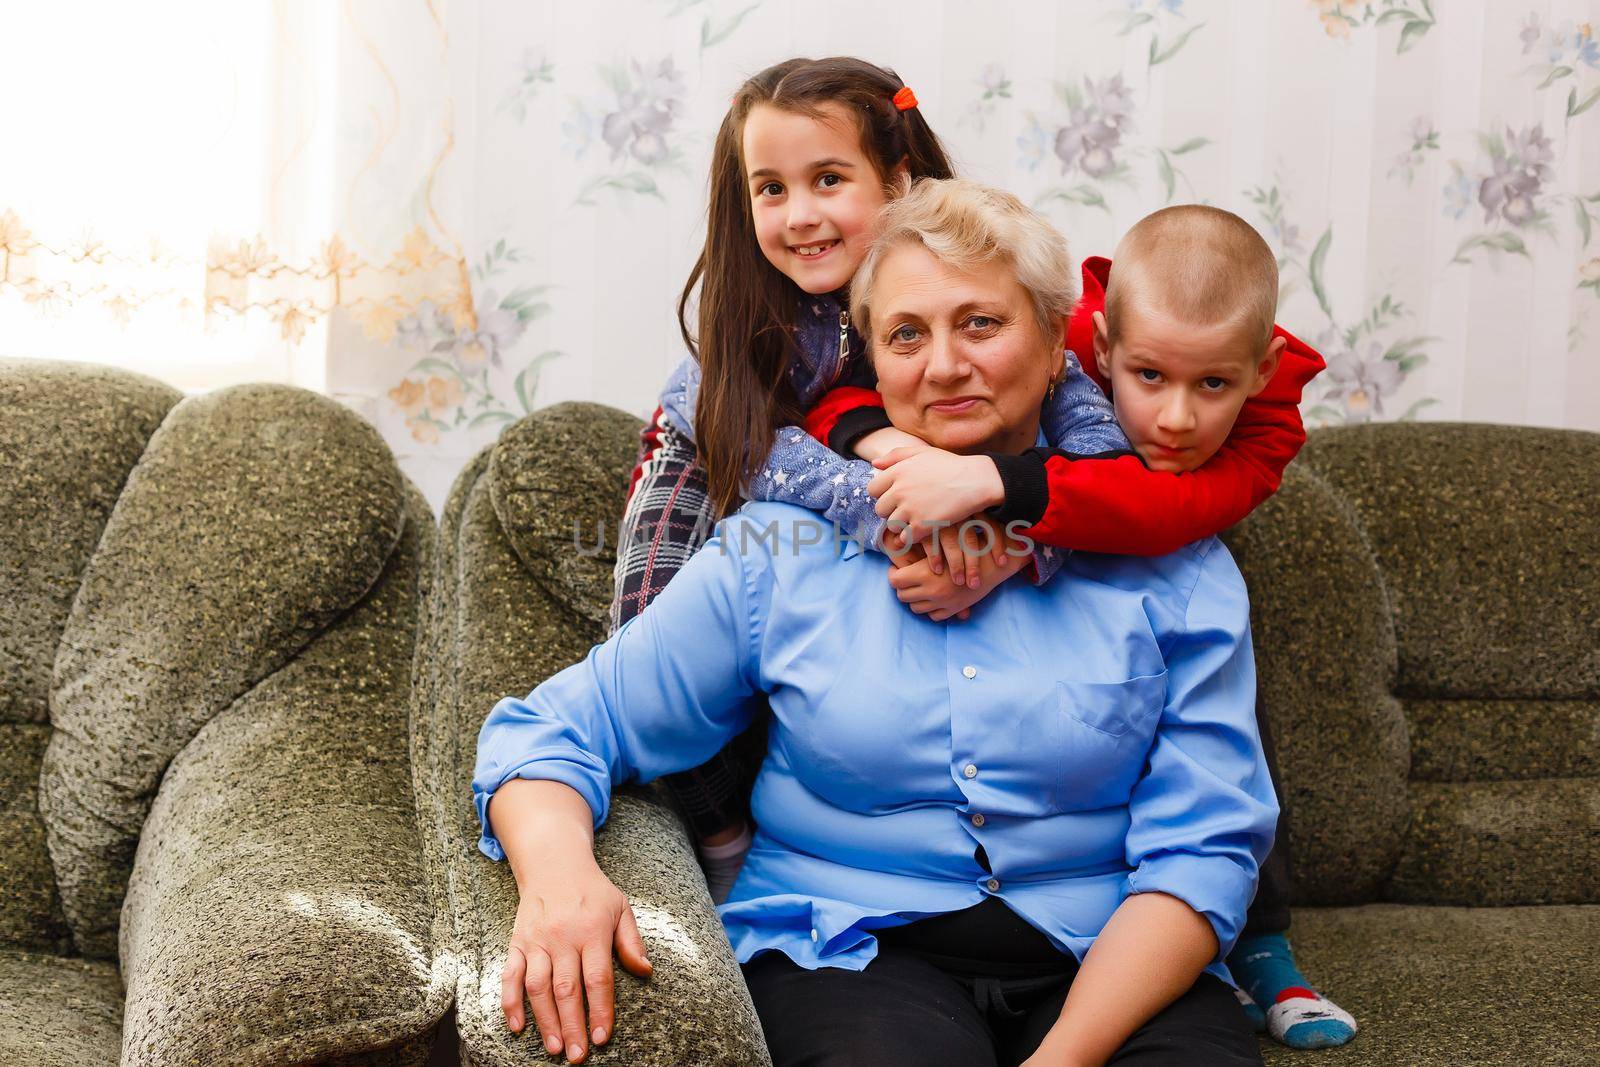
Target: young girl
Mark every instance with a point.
(807, 154)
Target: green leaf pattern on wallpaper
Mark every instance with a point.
(1368, 359)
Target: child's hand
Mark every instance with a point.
(962, 549)
(921, 487)
(937, 596)
(901, 551)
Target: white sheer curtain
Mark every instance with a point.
(448, 213)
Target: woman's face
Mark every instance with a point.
(961, 360)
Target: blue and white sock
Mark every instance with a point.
(1296, 1014)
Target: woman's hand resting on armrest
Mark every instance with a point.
(569, 917)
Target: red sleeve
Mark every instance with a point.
(1120, 506)
(649, 441)
(824, 418)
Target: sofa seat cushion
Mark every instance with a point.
(1453, 985)
(59, 1012)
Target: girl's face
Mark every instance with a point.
(813, 194)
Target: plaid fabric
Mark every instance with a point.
(668, 517)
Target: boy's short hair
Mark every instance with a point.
(966, 225)
(1202, 265)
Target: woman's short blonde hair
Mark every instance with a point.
(967, 225)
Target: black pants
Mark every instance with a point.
(976, 988)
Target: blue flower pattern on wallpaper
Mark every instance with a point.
(1085, 135)
(536, 72)
(1081, 147)
(1424, 139)
(993, 86)
(1563, 52)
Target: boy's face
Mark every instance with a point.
(1177, 388)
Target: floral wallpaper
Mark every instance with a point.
(518, 191)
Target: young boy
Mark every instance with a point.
(1207, 390)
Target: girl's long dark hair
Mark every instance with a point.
(746, 308)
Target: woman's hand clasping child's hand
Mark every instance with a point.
(920, 488)
(927, 587)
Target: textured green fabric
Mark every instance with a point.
(30, 911)
(413, 1053)
(256, 515)
(231, 585)
(1457, 986)
(301, 788)
(497, 630)
(556, 491)
(1483, 540)
(1498, 843)
(1486, 537)
(1500, 740)
(58, 1012)
(1325, 661)
(69, 435)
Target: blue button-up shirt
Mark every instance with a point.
(1096, 735)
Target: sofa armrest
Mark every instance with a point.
(694, 1008)
(494, 629)
(278, 911)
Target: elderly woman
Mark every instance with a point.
(1029, 837)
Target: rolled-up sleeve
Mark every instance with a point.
(1203, 815)
(664, 693)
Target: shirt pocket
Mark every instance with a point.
(1106, 732)
(1114, 708)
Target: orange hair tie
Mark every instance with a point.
(905, 99)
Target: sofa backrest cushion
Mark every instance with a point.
(255, 516)
(1325, 664)
(1486, 536)
(1486, 539)
(69, 435)
(555, 487)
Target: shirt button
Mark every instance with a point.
(970, 770)
(813, 933)
(994, 885)
(978, 819)
(969, 671)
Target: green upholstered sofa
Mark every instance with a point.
(517, 597)
(1426, 611)
(209, 608)
(1426, 607)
